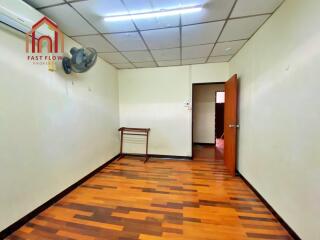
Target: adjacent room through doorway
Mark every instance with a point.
(208, 120)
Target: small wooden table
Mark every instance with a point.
(135, 132)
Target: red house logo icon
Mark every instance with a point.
(52, 44)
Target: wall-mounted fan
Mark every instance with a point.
(81, 61)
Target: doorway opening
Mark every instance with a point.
(208, 120)
(219, 121)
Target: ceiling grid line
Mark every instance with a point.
(175, 43)
(142, 38)
(224, 25)
(257, 29)
(98, 32)
(182, 25)
(193, 45)
(228, 55)
(59, 4)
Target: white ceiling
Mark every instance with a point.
(215, 34)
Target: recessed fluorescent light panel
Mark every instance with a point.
(152, 14)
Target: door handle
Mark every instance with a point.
(234, 125)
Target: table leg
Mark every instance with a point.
(121, 146)
(147, 156)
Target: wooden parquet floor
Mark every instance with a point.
(162, 199)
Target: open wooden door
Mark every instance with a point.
(231, 124)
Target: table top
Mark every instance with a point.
(126, 129)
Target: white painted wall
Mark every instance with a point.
(279, 149)
(211, 72)
(155, 97)
(204, 112)
(54, 129)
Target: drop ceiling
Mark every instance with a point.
(213, 35)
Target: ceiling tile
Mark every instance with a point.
(249, 7)
(126, 41)
(201, 51)
(242, 28)
(145, 64)
(168, 63)
(96, 10)
(123, 65)
(212, 10)
(201, 33)
(227, 48)
(68, 20)
(138, 6)
(162, 38)
(166, 54)
(138, 56)
(194, 61)
(220, 59)
(42, 3)
(161, 22)
(95, 41)
(113, 57)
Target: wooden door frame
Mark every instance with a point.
(192, 109)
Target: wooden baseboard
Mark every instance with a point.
(204, 144)
(159, 156)
(293, 234)
(18, 224)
